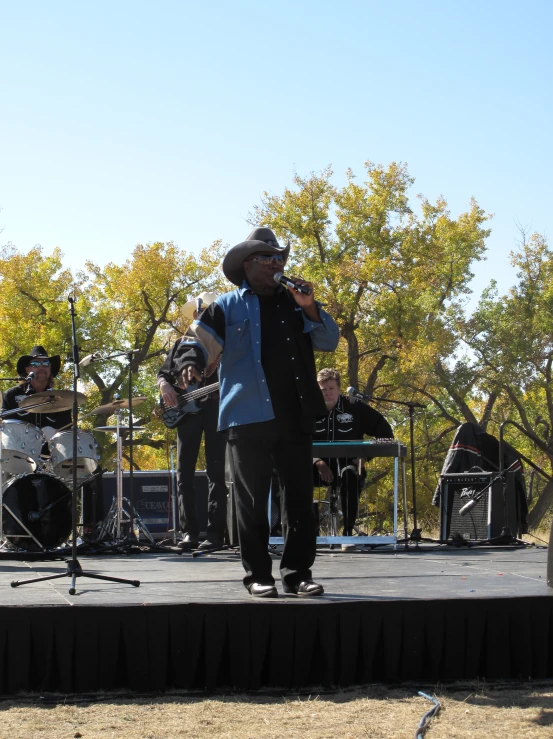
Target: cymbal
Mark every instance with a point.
(115, 405)
(54, 401)
(122, 429)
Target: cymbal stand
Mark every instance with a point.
(118, 515)
(129, 355)
(74, 569)
(135, 522)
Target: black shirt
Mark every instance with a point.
(278, 346)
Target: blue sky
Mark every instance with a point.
(130, 122)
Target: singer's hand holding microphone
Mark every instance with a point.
(300, 286)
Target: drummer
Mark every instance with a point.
(37, 371)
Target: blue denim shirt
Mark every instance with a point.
(244, 394)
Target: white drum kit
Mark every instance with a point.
(36, 489)
(36, 471)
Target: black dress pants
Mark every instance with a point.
(256, 451)
(189, 436)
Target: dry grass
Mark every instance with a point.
(373, 713)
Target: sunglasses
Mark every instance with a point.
(42, 363)
(268, 259)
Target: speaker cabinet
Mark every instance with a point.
(489, 515)
(152, 498)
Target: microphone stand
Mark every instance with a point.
(74, 569)
(411, 404)
(132, 534)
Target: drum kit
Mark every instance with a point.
(36, 472)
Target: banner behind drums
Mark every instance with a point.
(21, 446)
(61, 449)
(41, 504)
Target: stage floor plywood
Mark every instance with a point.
(423, 573)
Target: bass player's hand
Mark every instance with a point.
(190, 375)
(168, 394)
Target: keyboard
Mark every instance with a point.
(364, 449)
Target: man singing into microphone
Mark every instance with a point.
(345, 418)
(37, 371)
(265, 335)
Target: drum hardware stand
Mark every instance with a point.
(74, 569)
(114, 518)
(131, 535)
(28, 534)
(119, 516)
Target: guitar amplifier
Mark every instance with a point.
(152, 498)
(487, 518)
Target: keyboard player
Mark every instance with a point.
(346, 419)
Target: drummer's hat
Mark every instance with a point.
(187, 310)
(38, 352)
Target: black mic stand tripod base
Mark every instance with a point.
(74, 569)
(505, 539)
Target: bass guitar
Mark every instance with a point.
(186, 403)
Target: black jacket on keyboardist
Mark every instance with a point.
(351, 419)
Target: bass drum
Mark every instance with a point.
(42, 503)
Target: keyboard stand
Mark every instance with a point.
(398, 452)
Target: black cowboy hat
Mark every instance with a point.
(260, 240)
(38, 352)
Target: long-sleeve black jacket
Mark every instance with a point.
(351, 419)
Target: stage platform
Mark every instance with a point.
(429, 613)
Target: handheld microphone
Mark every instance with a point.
(88, 360)
(282, 280)
(356, 394)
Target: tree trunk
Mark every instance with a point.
(348, 332)
(543, 504)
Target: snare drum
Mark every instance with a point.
(37, 508)
(61, 449)
(21, 444)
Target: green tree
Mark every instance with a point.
(136, 306)
(512, 336)
(33, 305)
(394, 280)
